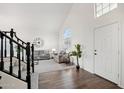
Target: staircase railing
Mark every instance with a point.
(20, 41)
(25, 52)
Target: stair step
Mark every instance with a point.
(23, 73)
(15, 71)
(7, 64)
(11, 81)
(15, 64)
(13, 74)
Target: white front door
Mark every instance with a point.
(106, 52)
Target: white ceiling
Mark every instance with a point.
(38, 17)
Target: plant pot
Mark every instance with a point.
(77, 67)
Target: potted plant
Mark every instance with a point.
(77, 53)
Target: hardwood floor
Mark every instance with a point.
(73, 79)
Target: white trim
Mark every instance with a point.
(122, 86)
(93, 50)
(120, 53)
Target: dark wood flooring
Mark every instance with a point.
(73, 79)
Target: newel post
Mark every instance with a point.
(1, 63)
(11, 35)
(28, 78)
(11, 52)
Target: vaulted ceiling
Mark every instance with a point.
(34, 17)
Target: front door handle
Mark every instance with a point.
(95, 53)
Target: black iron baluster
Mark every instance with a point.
(5, 50)
(17, 48)
(11, 34)
(11, 51)
(32, 58)
(2, 63)
(28, 78)
(19, 61)
(22, 52)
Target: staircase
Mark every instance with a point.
(16, 57)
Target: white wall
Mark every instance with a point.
(50, 39)
(32, 20)
(81, 21)
(29, 22)
(116, 15)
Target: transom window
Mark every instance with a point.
(103, 8)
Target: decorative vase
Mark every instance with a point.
(77, 67)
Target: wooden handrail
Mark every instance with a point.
(12, 40)
(19, 38)
(14, 33)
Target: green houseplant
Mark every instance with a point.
(77, 53)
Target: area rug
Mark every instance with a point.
(51, 65)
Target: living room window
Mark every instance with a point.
(103, 8)
(67, 38)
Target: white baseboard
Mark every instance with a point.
(34, 80)
(88, 70)
(121, 86)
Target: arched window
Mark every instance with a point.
(67, 33)
(67, 38)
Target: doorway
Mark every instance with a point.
(106, 52)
